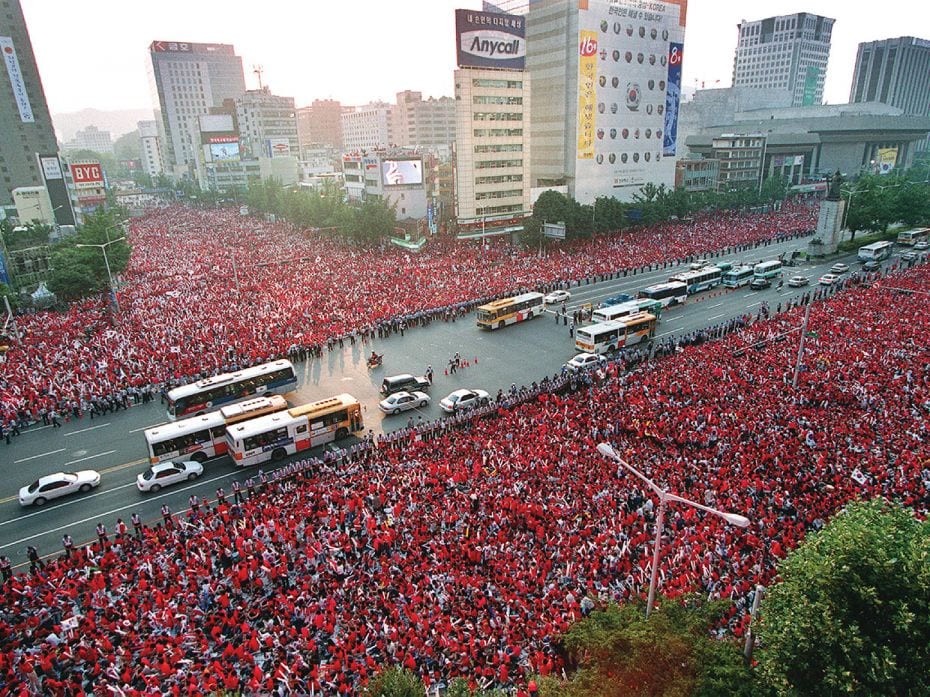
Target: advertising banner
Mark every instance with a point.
(57, 188)
(672, 98)
(398, 172)
(587, 93)
(490, 40)
(811, 77)
(87, 173)
(224, 151)
(278, 147)
(887, 157)
(20, 96)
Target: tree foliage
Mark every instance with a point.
(79, 271)
(851, 614)
(395, 682)
(620, 653)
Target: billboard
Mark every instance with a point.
(217, 123)
(400, 172)
(87, 173)
(630, 57)
(20, 96)
(224, 150)
(811, 79)
(278, 147)
(490, 40)
(887, 157)
(54, 179)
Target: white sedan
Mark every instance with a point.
(582, 361)
(556, 297)
(402, 401)
(839, 268)
(463, 399)
(167, 473)
(828, 279)
(51, 486)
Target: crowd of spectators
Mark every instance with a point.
(467, 550)
(207, 291)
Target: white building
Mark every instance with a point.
(427, 124)
(789, 52)
(90, 138)
(33, 203)
(368, 127)
(267, 124)
(152, 161)
(187, 79)
(606, 91)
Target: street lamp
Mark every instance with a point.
(103, 248)
(607, 451)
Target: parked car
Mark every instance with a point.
(921, 245)
(167, 473)
(402, 401)
(798, 281)
(760, 283)
(910, 256)
(463, 399)
(839, 268)
(699, 264)
(53, 486)
(403, 383)
(616, 299)
(556, 297)
(872, 265)
(582, 361)
(828, 279)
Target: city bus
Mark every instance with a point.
(506, 311)
(203, 437)
(609, 336)
(277, 377)
(740, 276)
(275, 436)
(631, 307)
(877, 251)
(767, 269)
(672, 293)
(699, 279)
(912, 237)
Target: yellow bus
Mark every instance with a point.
(274, 436)
(617, 334)
(506, 311)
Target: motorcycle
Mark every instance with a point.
(375, 361)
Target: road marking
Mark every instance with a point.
(672, 319)
(90, 457)
(123, 466)
(26, 459)
(89, 428)
(711, 307)
(143, 428)
(718, 316)
(754, 304)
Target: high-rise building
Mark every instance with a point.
(152, 161)
(25, 124)
(267, 124)
(894, 72)
(90, 138)
(426, 124)
(368, 127)
(187, 79)
(606, 90)
(789, 52)
(320, 124)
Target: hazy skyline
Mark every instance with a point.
(367, 51)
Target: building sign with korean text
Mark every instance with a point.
(20, 96)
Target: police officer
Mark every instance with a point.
(6, 568)
(35, 561)
(166, 515)
(102, 534)
(68, 543)
(137, 524)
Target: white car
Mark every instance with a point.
(556, 297)
(699, 264)
(51, 486)
(839, 268)
(402, 401)
(921, 245)
(463, 399)
(582, 361)
(828, 279)
(797, 281)
(167, 473)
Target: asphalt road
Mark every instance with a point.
(519, 354)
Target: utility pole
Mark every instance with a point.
(797, 365)
(258, 70)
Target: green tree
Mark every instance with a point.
(128, 146)
(79, 271)
(621, 653)
(371, 221)
(31, 234)
(774, 189)
(912, 203)
(459, 688)
(395, 682)
(851, 614)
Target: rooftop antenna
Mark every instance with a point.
(258, 70)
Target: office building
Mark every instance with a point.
(152, 161)
(320, 124)
(25, 124)
(90, 138)
(368, 127)
(267, 124)
(789, 52)
(894, 72)
(425, 124)
(606, 91)
(187, 79)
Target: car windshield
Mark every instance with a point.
(148, 474)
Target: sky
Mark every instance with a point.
(93, 53)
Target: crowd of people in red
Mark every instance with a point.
(469, 553)
(210, 290)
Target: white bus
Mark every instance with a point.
(700, 279)
(500, 313)
(631, 307)
(767, 269)
(203, 437)
(277, 377)
(912, 237)
(275, 436)
(666, 293)
(877, 251)
(739, 276)
(610, 336)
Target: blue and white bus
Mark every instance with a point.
(699, 279)
(672, 293)
(877, 251)
(767, 269)
(737, 277)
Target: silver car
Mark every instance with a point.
(402, 401)
(167, 473)
(52, 486)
